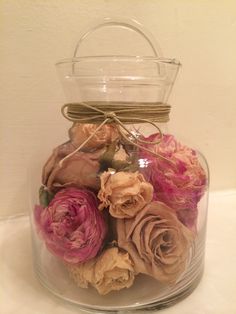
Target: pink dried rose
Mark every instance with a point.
(125, 193)
(79, 170)
(72, 226)
(158, 243)
(78, 133)
(111, 271)
(180, 183)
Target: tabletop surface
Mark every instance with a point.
(20, 292)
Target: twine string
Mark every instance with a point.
(92, 113)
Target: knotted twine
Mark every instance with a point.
(121, 114)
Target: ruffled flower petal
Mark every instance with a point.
(158, 243)
(111, 271)
(72, 226)
(125, 193)
(180, 183)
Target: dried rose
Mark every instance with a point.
(83, 273)
(80, 170)
(72, 226)
(111, 271)
(115, 157)
(120, 154)
(180, 183)
(158, 243)
(78, 133)
(188, 217)
(125, 193)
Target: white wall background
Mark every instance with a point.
(35, 34)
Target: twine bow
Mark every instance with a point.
(123, 113)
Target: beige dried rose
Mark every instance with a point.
(111, 271)
(125, 193)
(158, 243)
(80, 170)
(78, 133)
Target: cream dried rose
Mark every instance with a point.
(158, 243)
(111, 271)
(78, 133)
(125, 193)
(120, 154)
(82, 274)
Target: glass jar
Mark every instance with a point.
(120, 218)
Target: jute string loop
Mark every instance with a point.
(127, 112)
(121, 114)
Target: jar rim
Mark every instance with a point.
(124, 58)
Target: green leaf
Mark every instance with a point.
(106, 159)
(45, 196)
